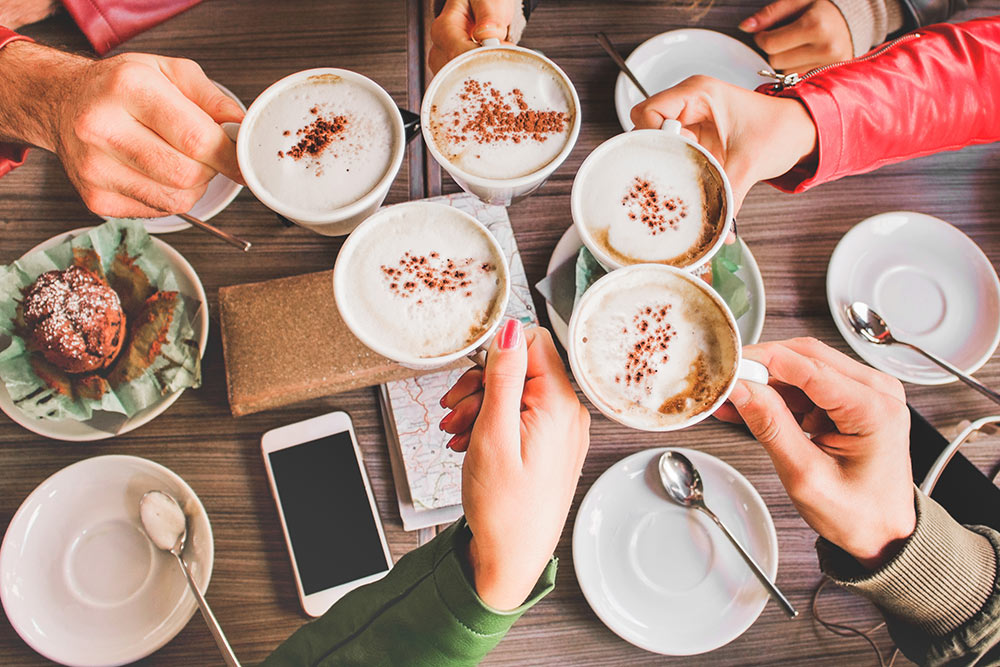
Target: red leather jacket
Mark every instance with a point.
(935, 89)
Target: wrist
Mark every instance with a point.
(34, 79)
(798, 130)
(891, 539)
(495, 580)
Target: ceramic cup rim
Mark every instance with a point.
(344, 303)
(306, 216)
(480, 181)
(595, 397)
(576, 204)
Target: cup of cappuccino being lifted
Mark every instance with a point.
(321, 148)
(652, 196)
(500, 119)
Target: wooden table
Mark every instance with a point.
(247, 45)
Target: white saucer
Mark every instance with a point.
(77, 431)
(751, 324)
(931, 283)
(80, 581)
(667, 59)
(664, 577)
(220, 194)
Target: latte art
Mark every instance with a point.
(422, 281)
(502, 114)
(654, 348)
(648, 196)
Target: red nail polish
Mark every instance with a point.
(451, 442)
(510, 335)
(442, 401)
(445, 420)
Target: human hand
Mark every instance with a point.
(463, 24)
(816, 34)
(852, 480)
(525, 437)
(16, 13)
(753, 136)
(138, 135)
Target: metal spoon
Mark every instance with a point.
(166, 526)
(682, 483)
(617, 57)
(874, 329)
(215, 231)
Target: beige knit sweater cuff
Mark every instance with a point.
(940, 579)
(870, 21)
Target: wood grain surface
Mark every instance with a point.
(249, 44)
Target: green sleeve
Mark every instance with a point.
(424, 612)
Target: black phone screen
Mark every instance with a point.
(330, 521)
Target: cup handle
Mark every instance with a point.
(232, 130)
(752, 371)
(671, 125)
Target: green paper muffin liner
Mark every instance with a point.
(176, 366)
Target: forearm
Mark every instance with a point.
(939, 593)
(424, 612)
(30, 85)
(934, 92)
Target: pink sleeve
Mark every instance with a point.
(108, 23)
(11, 155)
(936, 91)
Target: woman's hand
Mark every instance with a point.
(814, 34)
(525, 436)
(838, 433)
(753, 136)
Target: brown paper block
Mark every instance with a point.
(283, 342)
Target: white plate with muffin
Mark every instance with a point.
(108, 424)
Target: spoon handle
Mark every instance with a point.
(771, 588)
(213, 624)
(985, 391)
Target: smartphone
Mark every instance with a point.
(331, 525)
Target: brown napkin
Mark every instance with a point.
(284, 342)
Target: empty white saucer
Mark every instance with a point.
(220, 194)
(667, 59)
(662, 576)
(750, 324)
(80, 581)
(932, 285)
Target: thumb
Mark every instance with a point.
(491, 20)
(506, 367)
(772, 423)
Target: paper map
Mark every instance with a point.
(434, 472)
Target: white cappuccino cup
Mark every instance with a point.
(321, 148)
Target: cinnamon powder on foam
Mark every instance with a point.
(488, 116)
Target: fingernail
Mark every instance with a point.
(442, 403)
(446, 420)
(510, 335)
(452, 442)
(748, 24)
(491, 28)
(740, 395)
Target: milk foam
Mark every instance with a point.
(348, 168)
(538, 86)
(650, 197)
(654, 348)
(391, 300)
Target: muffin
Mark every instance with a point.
(74, 319)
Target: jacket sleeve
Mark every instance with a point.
(938, 89)
(108, 23)
(939, 593)
(918, 13)
(424, 612)
(11, 155)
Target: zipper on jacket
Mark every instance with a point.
(792, 79)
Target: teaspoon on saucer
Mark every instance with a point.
(166, 526)
(870, 326)
(682, 483)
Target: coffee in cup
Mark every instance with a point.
(421, 283)
(321, 148)
(651, 196)
(655, 348)
(500, 120)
